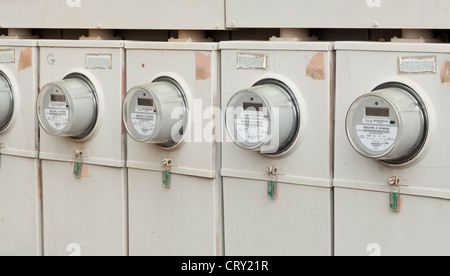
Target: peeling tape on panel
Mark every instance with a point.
(445, 72)
(85, 171)
(7, 56)
(417, 65)
(252, 61)
(202, 66)
(98, 61)
(26, 59)
(316, 67)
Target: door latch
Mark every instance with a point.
(79, 155)
(167, 164)
(395, 183)
(272, 188)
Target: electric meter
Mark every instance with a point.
(264, 118)
(389, 124)
(6, 102)
(156, 112)
(68, 108)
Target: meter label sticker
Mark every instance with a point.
(376, 138)
(144, 124)
(7, 56)
(94, 61)
(252, 126)
(252, 61)
(374, 121)
(57, 104)
(144, 109)
(417, 65)
(57, 118)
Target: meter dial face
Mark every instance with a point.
(251, 120)
(377, 129)
(143, 113)
(6, 102)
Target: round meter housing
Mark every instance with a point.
(264, 118)
(6, 102)
(389, 124)
(156, 113)
(68, 108)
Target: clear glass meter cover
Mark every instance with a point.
(264, 118)
(6, 102)
(68, 107)
(156, 113)
(389, 124)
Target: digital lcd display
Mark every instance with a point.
(377, 112)
(145, 102)
(58, 98)
(253, 106)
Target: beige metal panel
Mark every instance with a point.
(299, 222)
(21, 137)
(182, 220)
(20, 202)
(392, 47)
(20, 206)
(407, 14)
(361, 67)
(195, 66)
(366, 226)
(365, 201)
(307, 68)
(113, 14)
(106, 146)
(185, 219)
(86, 216)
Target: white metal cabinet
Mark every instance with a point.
(182, 220)
(432, 14)
(20, 198)
(182, 216)
(102, 63)
(114, 14)
(364, 226)
(84, 216)
(83, 177)
(265, 220)
(19, 66)
(297, 223)
(362, 185)
(20, 207)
